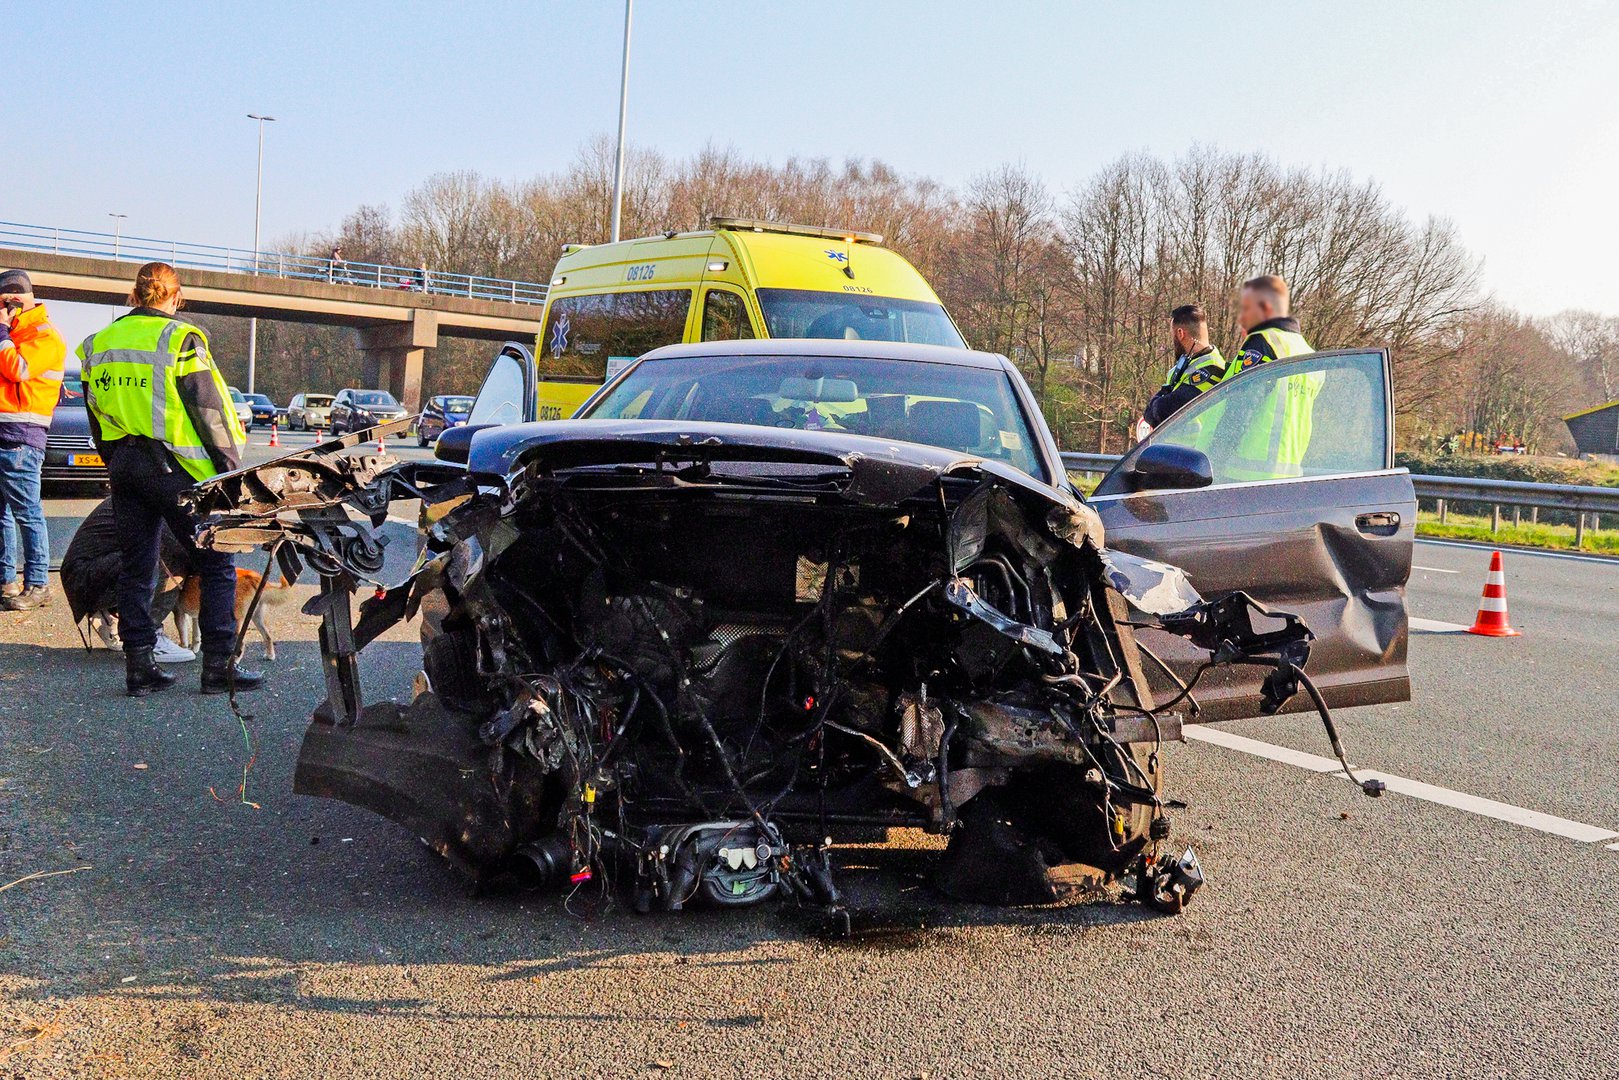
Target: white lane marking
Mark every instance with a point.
(1434, 570)
(1490, 808)
(1416, 789)
(1288, 756)
(1607, 560)
(1434, 626)
(1612, 847)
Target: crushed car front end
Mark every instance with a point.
(688, 658)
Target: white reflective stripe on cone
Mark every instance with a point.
(1495, 577)
(1493, 603)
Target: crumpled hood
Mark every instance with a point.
(883, 471)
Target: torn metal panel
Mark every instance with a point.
(1153, 587)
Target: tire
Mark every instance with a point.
(1049, 804)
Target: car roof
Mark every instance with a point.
(835, 347)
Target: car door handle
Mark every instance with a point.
(1381, 522)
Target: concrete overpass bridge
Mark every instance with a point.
(398, 313)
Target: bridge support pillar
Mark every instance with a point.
(393, 355)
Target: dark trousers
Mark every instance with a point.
(141, 503)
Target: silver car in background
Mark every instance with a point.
(309, 411)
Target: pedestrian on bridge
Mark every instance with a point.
(162, 416)
(338, 270)
(31, 357)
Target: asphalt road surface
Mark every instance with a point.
(1461, 926)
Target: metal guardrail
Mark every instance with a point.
(1569, 498)
(268, 263)
(1098, 463)
(1572, 498)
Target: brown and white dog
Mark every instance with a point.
(247, 583)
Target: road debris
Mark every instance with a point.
(34, 1033)
(42, 874)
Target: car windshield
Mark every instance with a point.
(238, 397)
(955, 407)
(261, 401)
(458, 406)
(806, 313)
(374, 397)
(317, 401)
(72, 390)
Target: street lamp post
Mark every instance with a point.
(117, 230)
(623, 109)
(258, 204)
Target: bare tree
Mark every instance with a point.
(1592, 343)
(1077, 291)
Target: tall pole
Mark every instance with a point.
(258, 205)
(623, 112)
(117, 230)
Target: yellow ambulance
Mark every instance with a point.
(609, 303)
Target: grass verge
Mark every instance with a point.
(1552, 537)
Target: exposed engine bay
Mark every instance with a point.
(686, 665)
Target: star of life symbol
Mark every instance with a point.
(559, 336)
(837, 256)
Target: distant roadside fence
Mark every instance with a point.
(1568, 503)
(267, 263)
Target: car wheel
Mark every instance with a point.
(421, 440)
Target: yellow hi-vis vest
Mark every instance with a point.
(1202, 372)
(1277, 435)
(130, 371)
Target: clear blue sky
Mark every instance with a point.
(1500, 114)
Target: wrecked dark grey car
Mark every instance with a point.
(767, 595)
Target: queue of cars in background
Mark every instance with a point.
(71, 456)
(441, 413)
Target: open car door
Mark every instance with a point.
(1280, 482)
(507, 393)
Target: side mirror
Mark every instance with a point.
(455, 444)
(1162, 467)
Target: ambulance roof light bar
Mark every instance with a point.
(755, 225)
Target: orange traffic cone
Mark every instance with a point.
(380, 448)
(1492, 609)
(275, 435)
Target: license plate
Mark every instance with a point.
(92, 461)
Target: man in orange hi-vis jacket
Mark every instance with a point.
(31, 355)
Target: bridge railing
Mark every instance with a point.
(267, 263)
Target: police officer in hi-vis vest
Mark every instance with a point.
(162, 417)
(1198, 367)
(1276, 434)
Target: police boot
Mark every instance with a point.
(220, 675)
(142, 676)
